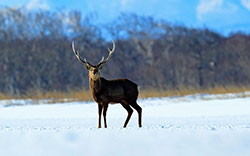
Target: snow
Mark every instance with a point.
(191, 125)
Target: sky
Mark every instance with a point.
(223, 16)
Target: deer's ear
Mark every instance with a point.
(87, 66)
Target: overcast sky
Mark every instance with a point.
(220, 15)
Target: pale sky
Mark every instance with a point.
(220, 15)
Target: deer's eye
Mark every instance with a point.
(95, 71)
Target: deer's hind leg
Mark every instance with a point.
(130, 112)
(139, 110)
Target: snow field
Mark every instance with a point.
(171, 126)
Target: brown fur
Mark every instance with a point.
(106, 92)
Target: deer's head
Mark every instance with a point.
(94, 70)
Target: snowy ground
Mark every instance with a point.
(191, 126)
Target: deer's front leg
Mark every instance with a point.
(105, 107)
(100, 115)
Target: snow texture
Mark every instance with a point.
(191, 126)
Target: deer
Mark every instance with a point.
(105, 92)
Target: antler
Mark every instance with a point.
(110, 54)
(84, 61)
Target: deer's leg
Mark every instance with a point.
(105, 108)
(130, 111)
(139, 110)
(100, 115)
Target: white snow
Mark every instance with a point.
(206, 125)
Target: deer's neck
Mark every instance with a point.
(95, 85)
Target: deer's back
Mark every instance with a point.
(114, 91)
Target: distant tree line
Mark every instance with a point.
(35, 52)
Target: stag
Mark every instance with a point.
(106, 92)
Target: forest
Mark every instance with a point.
(36, 54)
